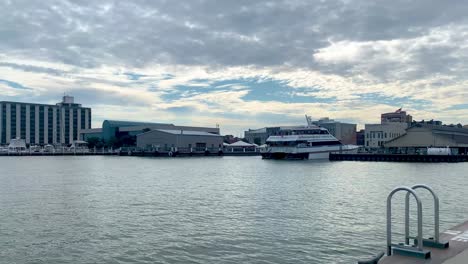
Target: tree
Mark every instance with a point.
(113, 142)
(257, 141)
(95, 142)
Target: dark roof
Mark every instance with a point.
(187, 132)
(119, 123)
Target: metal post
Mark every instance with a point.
(389, 218)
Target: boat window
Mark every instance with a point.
(326, 143)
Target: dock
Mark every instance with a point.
(397, 157)
(18, 154)
(140, 153)
(456, 253)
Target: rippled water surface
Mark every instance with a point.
(209, 210)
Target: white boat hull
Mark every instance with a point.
(311, 153)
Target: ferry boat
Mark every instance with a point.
(310, 142)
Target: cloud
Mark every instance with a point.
(201, 61)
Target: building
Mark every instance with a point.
(361, 137)
(257, 136)
(421, 136)
(391, 125)
(430, 122)
(180, 140)
(126, 131)
(86, 134)
(398, 116)
(377, 134)
(43, 124)
(344, 132)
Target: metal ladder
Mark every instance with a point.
(406, 249)
(415, 250)
(433, 242)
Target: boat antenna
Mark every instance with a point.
(309, 120)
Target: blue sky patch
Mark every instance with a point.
(134, 76)
(379, 98)
(458, 107)
(14, 85)
(258, 90)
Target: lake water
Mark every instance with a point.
(210, 210)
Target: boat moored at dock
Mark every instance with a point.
(309, 142)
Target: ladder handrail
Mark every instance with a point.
(436, 212)
(389, 218)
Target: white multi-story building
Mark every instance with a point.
(392, 125)
(43, 124)
(377, 134)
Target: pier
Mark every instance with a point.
(448, 247)
(398, 157)
(143, 153)
(457, 253)
(17, 154)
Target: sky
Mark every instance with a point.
(240, 64)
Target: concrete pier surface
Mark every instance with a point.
(457, 253)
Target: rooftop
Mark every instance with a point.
(186, 132)
(123, 123)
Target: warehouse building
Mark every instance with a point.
(180, 140)
(126, 132)
(422, 136)
(43, 124)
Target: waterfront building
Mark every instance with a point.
(392, 125)
(180, 140)
(257, 136)
(377, 134)
(43, 124)
(122, 130)
(422, 136)
(344, 132)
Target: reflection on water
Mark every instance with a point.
(209, 210)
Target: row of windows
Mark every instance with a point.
(41, 122)
(382, 135)
(379, 143)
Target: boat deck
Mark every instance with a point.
(457, 253)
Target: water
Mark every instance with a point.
(209, 210)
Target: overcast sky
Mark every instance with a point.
(240, 64)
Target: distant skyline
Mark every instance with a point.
(240, 64)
